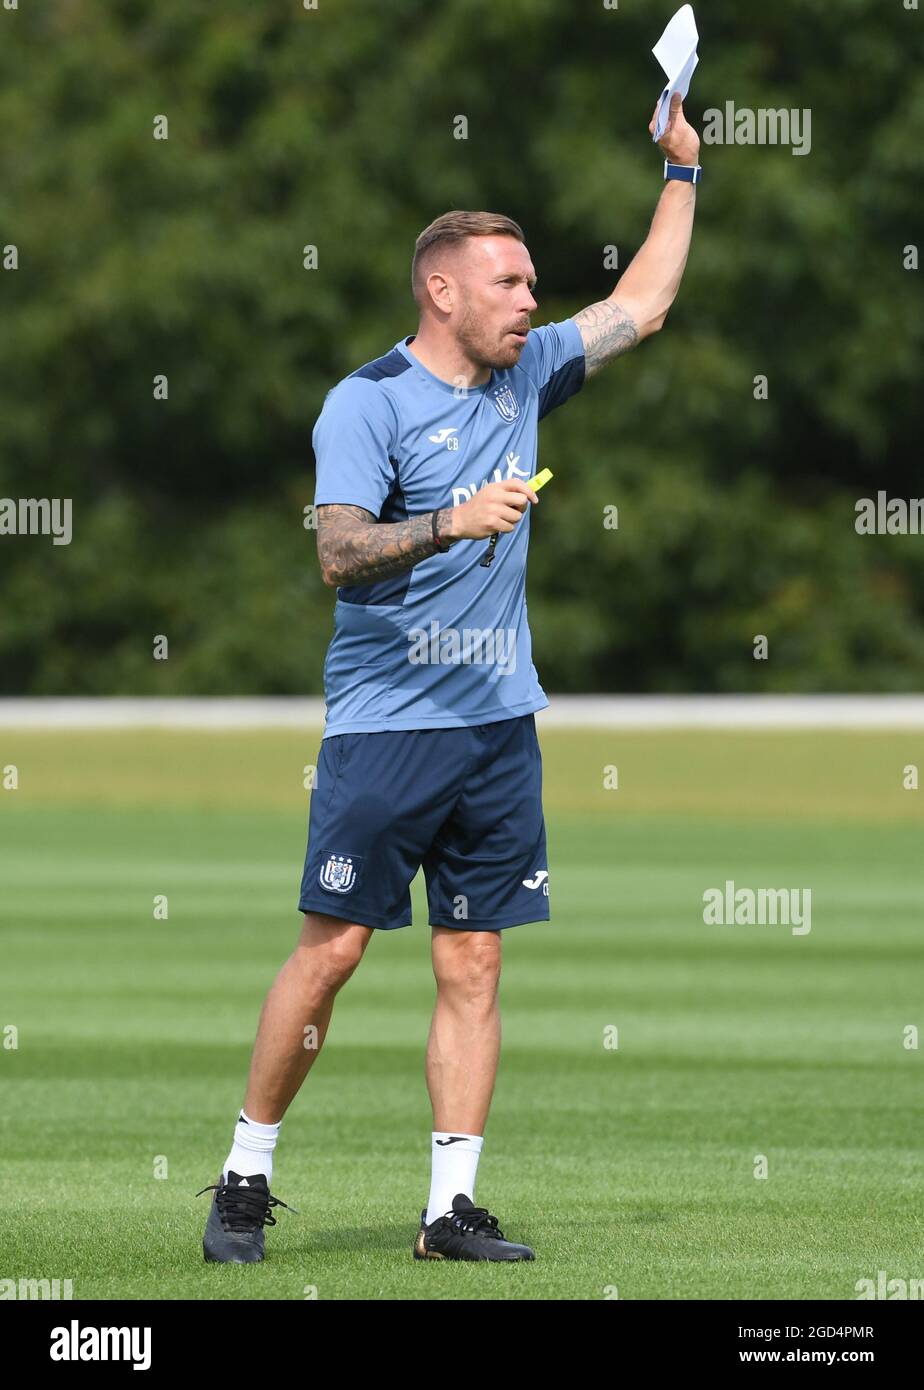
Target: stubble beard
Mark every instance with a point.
(496, 356)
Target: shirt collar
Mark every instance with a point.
(402, 346)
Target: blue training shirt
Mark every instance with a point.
(445, 644)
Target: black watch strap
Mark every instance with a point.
(436, 539)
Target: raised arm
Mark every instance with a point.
(638, 305)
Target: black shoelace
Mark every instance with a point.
(478, 1220)
(244, 1208)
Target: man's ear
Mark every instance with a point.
(440, 291)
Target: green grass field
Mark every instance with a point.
(630, 1168)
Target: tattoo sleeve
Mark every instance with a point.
(607, 330)
(354, 548)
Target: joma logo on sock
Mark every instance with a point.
(37, 516)
(76, 1343)
(758, 907)
(26, 1289)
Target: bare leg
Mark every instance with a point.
(302, 994)
(464, 1043)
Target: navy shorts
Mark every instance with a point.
(464, 803)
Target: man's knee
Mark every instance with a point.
(468, 964)
(330, 949)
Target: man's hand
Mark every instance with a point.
(496, 507)
(680, 142)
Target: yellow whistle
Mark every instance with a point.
(540, 479)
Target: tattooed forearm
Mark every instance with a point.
(354, 548)
(607, 331)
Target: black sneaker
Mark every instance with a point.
(465, 1233)
(240, 1209)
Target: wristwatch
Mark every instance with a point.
(688, 173)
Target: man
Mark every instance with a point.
(429, 754)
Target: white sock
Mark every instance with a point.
(454, 1165)
(252, 1149)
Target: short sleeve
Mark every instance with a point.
(553, 359)
(354, 441)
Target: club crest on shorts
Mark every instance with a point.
(506, 403)
(338, 872)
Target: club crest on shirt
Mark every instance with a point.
(506, 403)
(338, 872)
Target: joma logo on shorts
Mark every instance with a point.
(468, 646)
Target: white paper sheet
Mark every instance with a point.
(676, 52)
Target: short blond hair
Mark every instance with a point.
(453, 227)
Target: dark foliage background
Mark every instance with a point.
(334, 127)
